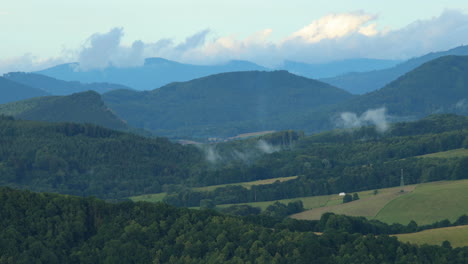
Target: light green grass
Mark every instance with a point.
(457, 236)
(368, 205)
(247, 185)
(428, 203)
(153, 198)
(455, 153)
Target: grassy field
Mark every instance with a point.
(455, 153)
(428, 203)
(457, 236)
(368, 205)
(424, 203)
(247, 185)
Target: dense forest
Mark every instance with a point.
(337, 161)
(51, 228)
(91, 160)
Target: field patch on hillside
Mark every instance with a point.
(456, 235)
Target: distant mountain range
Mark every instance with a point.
(336, 68)
(58, 87)
(86, 107)
(363, 82)
(12, 91)
(155, 73)
(223, 104)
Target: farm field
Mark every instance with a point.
(455, 153)
(247, 185)
(424, 203)
(456, 235)
(428, 203)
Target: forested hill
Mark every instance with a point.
(90, 160)
(364, 82)
(11, 91)
(85, 107)
(225, 104)
(438, 86)
(50, 228)
(58, 87)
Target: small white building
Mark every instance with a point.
(342, 194)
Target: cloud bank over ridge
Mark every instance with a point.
(332, 37)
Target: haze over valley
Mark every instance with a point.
(234, 132)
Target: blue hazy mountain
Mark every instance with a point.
(59, 87)
(11, 91)
(335, 68)
(363, 82)
(155, 73)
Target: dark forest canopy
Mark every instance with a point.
(91, 160)
(51, 228)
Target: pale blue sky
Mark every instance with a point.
(45, 28)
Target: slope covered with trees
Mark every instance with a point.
(50, 228)
(89, 160)
(86, 107)
(225, 104)
(364, 82)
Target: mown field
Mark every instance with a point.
(457, 236)
(455, 153)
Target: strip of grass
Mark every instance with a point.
(457, 236)
(455, 153)
(153, 198)
(247, 185)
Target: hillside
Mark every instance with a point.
(364, 82)
(11, 91)
(438, 86)
(58, 87)
(333, 162)
(155, 73)
(88, 160)
(51, 228)
(86, 107)
(225, 104)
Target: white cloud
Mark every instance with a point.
(376, 117)
(103, 50)
(334, 26)
(332, 37)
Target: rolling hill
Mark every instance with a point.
(11, 91)
(438, 86)
(59, 87)
(225, 104)
(363, 82)
(86, 107)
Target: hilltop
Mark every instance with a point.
(85, 107)
(225, 104)
(364, 82)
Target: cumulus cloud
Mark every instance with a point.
(335, 26)
(376, 117)
(103, 50)
(332, 37)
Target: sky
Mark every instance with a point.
(100, 33)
